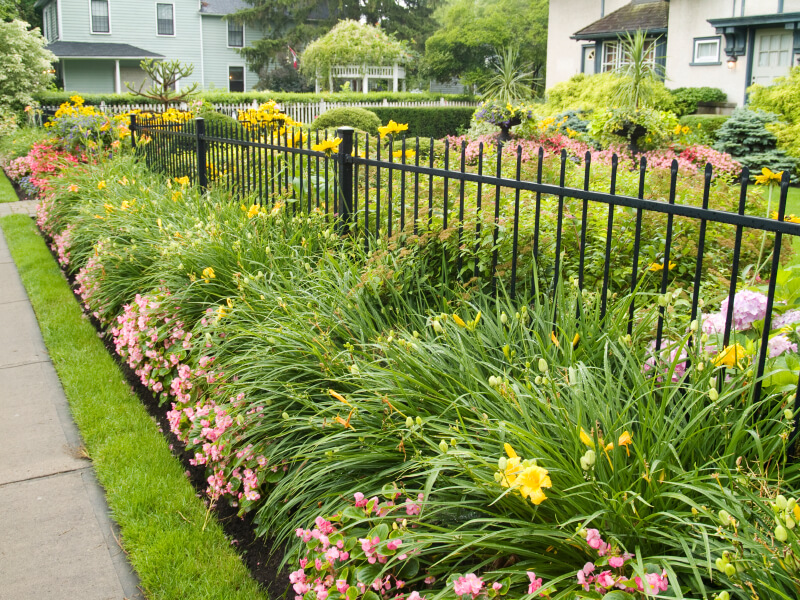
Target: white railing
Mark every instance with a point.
(304, 113)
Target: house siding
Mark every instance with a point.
(565, 18)
(218, 56)
(89, 76)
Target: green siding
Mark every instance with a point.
(218, 56)
(89, 76)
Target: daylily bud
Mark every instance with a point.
(503, 318)
(721, 563)
(781, 534)
(788, 414)
(285, 416)
(419, 420)
(730, 570)
(498, 476)
(790, 524)
(443, 447)
(694, 325)
(723, 596)
(713, 394)
(502, 463)
(542, 365)
(725, 517)
(409, 422)
(781, 502)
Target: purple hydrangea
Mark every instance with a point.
(713, 323)
(790, 317)
(780, 344)
(748, 307)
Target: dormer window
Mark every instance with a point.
(100, 20)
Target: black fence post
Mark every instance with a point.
(200, 133)
(345, 174)
(133, 131)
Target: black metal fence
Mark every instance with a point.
(496, 221)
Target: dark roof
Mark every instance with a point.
(771, 19)
(222, 7)
(98, 50)
(651, 16)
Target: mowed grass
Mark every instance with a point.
(7, 193)
(178, 549)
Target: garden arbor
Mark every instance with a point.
(355, 52)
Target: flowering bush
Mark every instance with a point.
(502, 115)
(80, 128)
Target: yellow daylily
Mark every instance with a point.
(655, 267)
(208, 274)
(530, 483)
(101, 185)
(254, 210)
(730, 356)
(392, 128)
(459, 321)
(327, 146)
(767, 176)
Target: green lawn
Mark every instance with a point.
(178, 549)
(7, 193)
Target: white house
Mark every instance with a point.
(728, 44)
(100, 43)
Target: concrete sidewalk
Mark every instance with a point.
(57, 540)
(23, 207)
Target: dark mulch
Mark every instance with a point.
(261, 556)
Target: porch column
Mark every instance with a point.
(117, 78)
(394, 78)
(365, 84)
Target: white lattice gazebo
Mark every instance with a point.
(394, 73)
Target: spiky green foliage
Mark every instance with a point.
(510, 81)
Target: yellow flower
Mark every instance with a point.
(72, 188)
(109, 208)
(101, 185)
(575, 340)
(554, 339)
(399, 154)
(176, 196)
(768, 176)
(625, 440)
(221, 312)
(655, 267)
(392, 128)
(459, 321)
(327, 146)
(76, 99)
(730, 356)
(586, 439)
(208, 274)
(513, 468)
(183, 181)
(253, 211)
(530, 483)
(677, 130)
(685, 130)
(796, 511)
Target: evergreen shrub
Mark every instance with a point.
(687, 98)
(360, 118)
(745, 136)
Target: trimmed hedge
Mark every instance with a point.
(434, 122)
(359, 118)
(687, 98)
(218, 97)
(709, 124)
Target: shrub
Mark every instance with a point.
(687, 98)
(745, 136)
(359, 118)
(593, 92)
(426, 122)
(708, 125)
(781, 98)
(642, 129)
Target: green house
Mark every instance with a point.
(100, 43)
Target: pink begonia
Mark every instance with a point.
(583, 575)
(748, 307)
(595, 541)
(535, 583)
(394, 544)
(468, 584)
(341, 586)
(415, 596)
(779, 344)
(497, 585)
(616, 561)
(653, 583)
(361, 501)
(790, 317)
(605, 580)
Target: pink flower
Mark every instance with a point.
(595, 541)
(415, 596)
(468, 584)
(536, 582)
(360, 499)
(341, 586)
(583, 576)
(779, 344)
(605, 580)
(616, 561)
(497, 585)
(748, 307)
(655, 583)
(394, 544)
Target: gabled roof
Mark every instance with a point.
(222, 7)
(651, 16)
(99, 50)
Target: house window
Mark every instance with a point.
(235, 35)
(100, 20)
(235, 79)
(614, 56)
(50, 22)
(774, 50)
(706, 51)
(165, 17)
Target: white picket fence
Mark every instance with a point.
(304, 113)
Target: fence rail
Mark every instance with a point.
(501, 224)
(299, 111)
